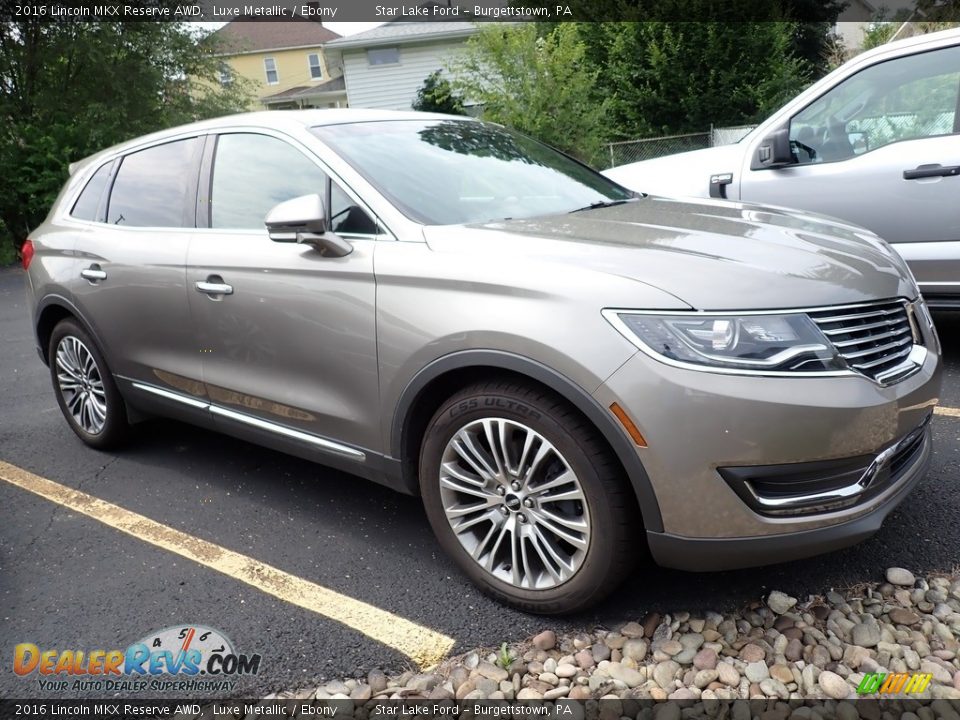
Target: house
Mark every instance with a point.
(857, 17)
(385, 67)
(286, 60)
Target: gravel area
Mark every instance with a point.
(778, 648)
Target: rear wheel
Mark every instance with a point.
(525, 496)
(85, 390)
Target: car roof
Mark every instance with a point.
(270, 119)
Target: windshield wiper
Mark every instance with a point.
(600, 204)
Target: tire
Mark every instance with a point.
(86, 392)
(507, 511)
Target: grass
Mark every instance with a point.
(504, 656)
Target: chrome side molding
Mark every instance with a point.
(317, 441)
(321, 443)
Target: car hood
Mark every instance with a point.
(713, 255)
(684, 174)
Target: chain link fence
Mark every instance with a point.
(628, 151)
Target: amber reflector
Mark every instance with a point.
(628, 424)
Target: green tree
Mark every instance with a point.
(812, 21)
(437, 95)
(71, 88)
(673, 77)
(542, 86)
(878, 33)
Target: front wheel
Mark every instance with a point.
(525, 496)
(85, 390)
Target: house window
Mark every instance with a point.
(383, 56)
(226, 74)
(313, 61)
(270, 66)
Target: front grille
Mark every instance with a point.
(874, 339)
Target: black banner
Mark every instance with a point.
(431, 709)
(461, 10)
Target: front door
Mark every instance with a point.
(288, 336)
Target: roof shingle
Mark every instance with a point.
(249, 35)
(398, 31)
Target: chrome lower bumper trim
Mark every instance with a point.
(839, 497)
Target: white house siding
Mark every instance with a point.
(393, 87)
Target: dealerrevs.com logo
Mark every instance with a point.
(179, 658)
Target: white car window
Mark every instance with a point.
(901, 99)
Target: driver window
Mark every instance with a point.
(252, 173)
(902, 99)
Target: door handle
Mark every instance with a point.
(212, 287)
(934, 170)
(94, 273)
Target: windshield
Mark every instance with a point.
(446, 172)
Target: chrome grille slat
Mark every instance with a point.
(868, 326)
(880, 361)
(874, 340)
(878, 349)
(871, 338)
(858, 316)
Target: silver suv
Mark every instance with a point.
(568, 374)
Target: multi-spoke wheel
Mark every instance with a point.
(527, 498)
(514, 503)
(84, 388)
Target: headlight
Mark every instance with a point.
(762, 343)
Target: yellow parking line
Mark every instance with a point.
(424, 646)
(949, 411)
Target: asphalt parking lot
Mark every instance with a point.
(68, 580)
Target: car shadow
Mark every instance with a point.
(406, 572)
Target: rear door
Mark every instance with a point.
(881, 149)
(288, 336)
(131, 284)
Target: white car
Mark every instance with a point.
(875, 143)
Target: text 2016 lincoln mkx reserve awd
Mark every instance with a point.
(572, 376)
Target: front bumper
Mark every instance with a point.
(709, 554)
(700, 425)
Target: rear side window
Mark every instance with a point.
(156, 187)
(252, 173)
(86, 206)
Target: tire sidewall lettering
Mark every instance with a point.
(494, 403)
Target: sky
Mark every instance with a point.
(350, 28)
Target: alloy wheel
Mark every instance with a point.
(514, 503)
(81, 385)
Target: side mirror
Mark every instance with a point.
(775, 150)
(304, 220)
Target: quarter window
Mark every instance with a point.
(901, 99)
(383, 56)
(86, 206)
(252, 173)
(153, 187)
(316, 71)
(270, 67)
(346, 217)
